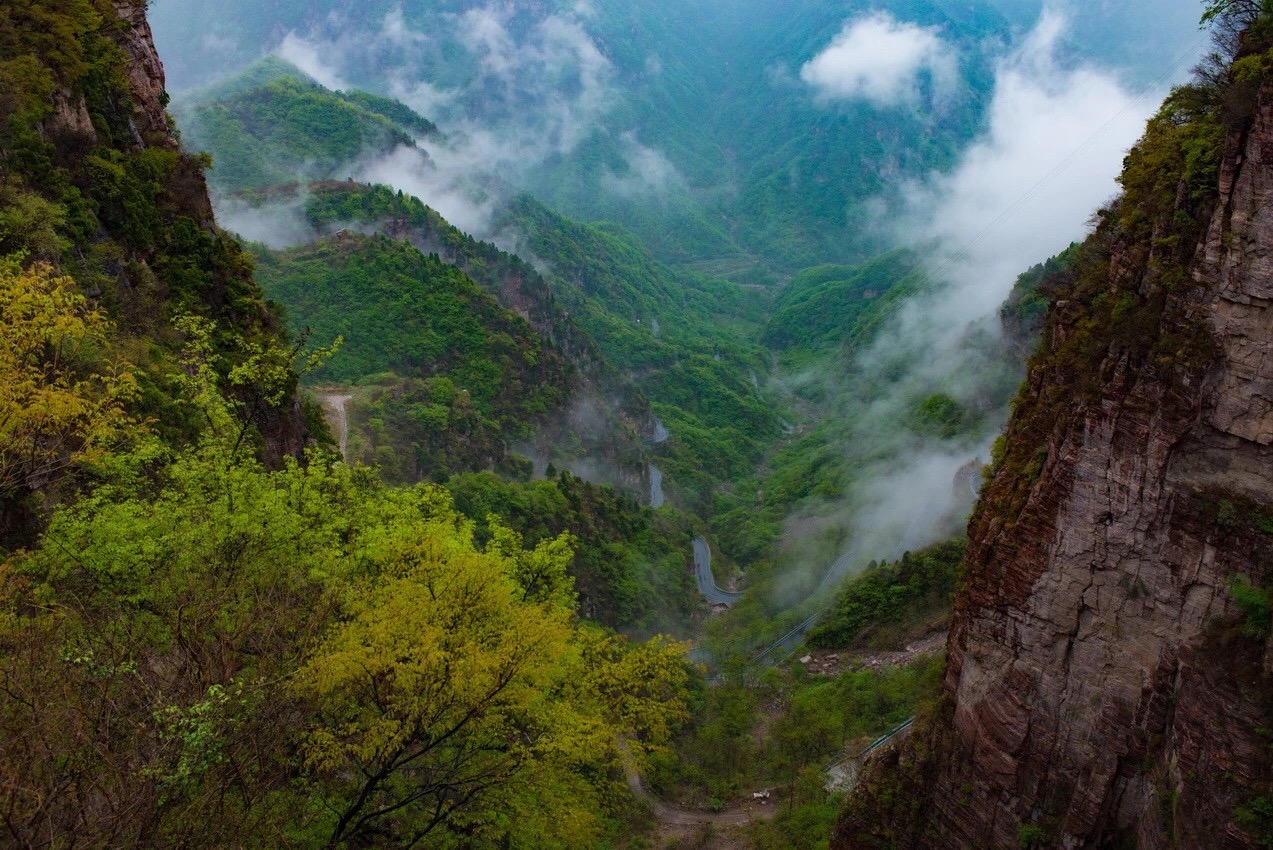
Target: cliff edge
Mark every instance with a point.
(94, 183)
(1110, 672)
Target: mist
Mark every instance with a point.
(278, 225)
(544, 91)
(1054, 141)
(881, 60)
(525, 91)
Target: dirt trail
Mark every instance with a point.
(738, 814)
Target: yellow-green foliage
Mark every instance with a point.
(122, 214)
(215, 653)
(62, 396)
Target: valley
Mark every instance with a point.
(709, 424)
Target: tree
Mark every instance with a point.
(1241, 12)
(204, 651)
(456, 698)
(62, 394)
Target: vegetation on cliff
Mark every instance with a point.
(890, 604)
(92, 182)
(399, 311)
(1127, 343)
(198, 646)
(204, 650)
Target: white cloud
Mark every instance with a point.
(1055, 142)
(307, 56)
(648, 171)
(882, 60)
(531, 92)
(440, 181)
(545, 92)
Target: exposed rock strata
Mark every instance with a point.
(145, 74)
(1098, 691)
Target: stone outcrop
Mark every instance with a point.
(1100, 690)
(145, 74)
(70, 120)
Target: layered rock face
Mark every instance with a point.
(145, 72)
(1100, 690)
(148, 119)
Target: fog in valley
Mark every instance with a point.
(1050, 99)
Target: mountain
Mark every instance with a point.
(271, 126)
(96, 188)
(686, 123)
(824, 306)
(1108, 679)
(398, 311)
(633, 327)
(214, 631)
(423, 621)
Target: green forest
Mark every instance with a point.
(188, 554)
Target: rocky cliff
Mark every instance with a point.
(87, 140)
(1109, 668)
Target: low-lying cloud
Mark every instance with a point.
(520, 94)
(1055, 140)
(648, 172)
(307, 56)
(528, 92)
(882, 60)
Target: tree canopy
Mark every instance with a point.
(204, 648)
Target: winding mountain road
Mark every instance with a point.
(336, 404)
(706, 582)
(738, 814)
(660, 432)
(843, 773)
(656, 487)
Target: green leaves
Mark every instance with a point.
(1256, 605)
(398, 310)
(893, 596)
(308, 652)
(62, 397)
(1243, 12)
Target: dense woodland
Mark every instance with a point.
(210, 632)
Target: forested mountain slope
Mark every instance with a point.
(95, 184)
(216, 630)
(633, 327)
(210, 637)
(1108, 681)
(686, 123)
(689, 123)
